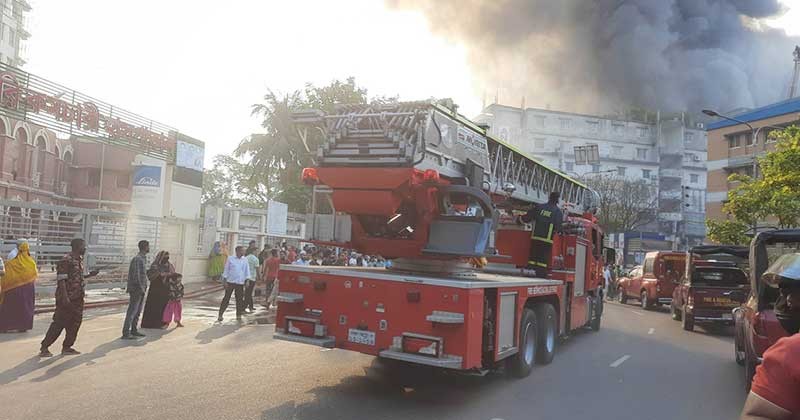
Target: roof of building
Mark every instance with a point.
(772, 110)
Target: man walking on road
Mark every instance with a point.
(237, 270)
(137, 286)
(70, 292)
(271, 267)
(252, 261)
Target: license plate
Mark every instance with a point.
(727, 316)
(361, 337)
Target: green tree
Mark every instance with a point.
(232, 183)
(773, 197)
(624, 204)
(280, 152)
(730, 232)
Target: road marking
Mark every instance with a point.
(651, 331)
(636, 312)
(620, 361)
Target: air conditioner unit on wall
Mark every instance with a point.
(696, 158)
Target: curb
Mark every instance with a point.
(109, 303)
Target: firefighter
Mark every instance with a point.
(546, 221)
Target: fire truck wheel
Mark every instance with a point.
(546, 334)
(520, 364)
(623, 298)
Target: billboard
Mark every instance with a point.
(277, 214)
(147, 176)
(27, 97)
(189, 156)
(147, 198)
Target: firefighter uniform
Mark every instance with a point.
(546, 220)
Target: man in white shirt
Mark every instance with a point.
(236, 272)
(303, 259)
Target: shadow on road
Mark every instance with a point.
(97, 353)
(30, 365)
(215, 332)
(403, 387)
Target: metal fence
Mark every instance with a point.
(112, 237)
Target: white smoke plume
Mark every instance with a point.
(609, 55)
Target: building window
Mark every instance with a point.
(733, 141)
(641, 154)
(748, 138)
(694, 178)
(123, 180)
(538, 143)
(538, 121)
(565, 123)
(621, 170)
(646, 173)
(93, 178)
(617, 128)
(569, 166)
(595, 167)
(593, 126)
(689, 137)
(616, 152)
(643, 131)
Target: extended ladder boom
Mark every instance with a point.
(427, 135)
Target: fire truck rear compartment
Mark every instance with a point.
(468, 323)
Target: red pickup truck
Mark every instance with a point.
(653, 282)
(715, 282)
(757, 325)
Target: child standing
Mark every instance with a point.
(174, 307)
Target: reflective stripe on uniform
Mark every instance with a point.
(540, 264)
(539, 238)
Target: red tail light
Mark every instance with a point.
(310, 176)
(430, 175)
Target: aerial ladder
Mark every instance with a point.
(417, 180)
(419, 184)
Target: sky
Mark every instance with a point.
(198, 66)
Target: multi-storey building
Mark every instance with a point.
(732, 149)
(13, 31)
(667, 151)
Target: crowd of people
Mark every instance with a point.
(249, 267)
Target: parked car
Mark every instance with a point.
(756, 325)
(713, 284)
(652, 283)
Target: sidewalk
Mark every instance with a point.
(110, 294)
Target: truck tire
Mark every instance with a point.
(547, 333)
(520, 364)
(676, 314)
(688, 321)
(645, 300)
(622, 298)
(597, 315)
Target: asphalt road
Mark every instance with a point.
(641, 365)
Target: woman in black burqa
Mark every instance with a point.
(158, 294)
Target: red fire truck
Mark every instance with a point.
(421, 185)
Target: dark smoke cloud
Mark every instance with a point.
(608, 55)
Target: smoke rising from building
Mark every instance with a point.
(610, 55)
